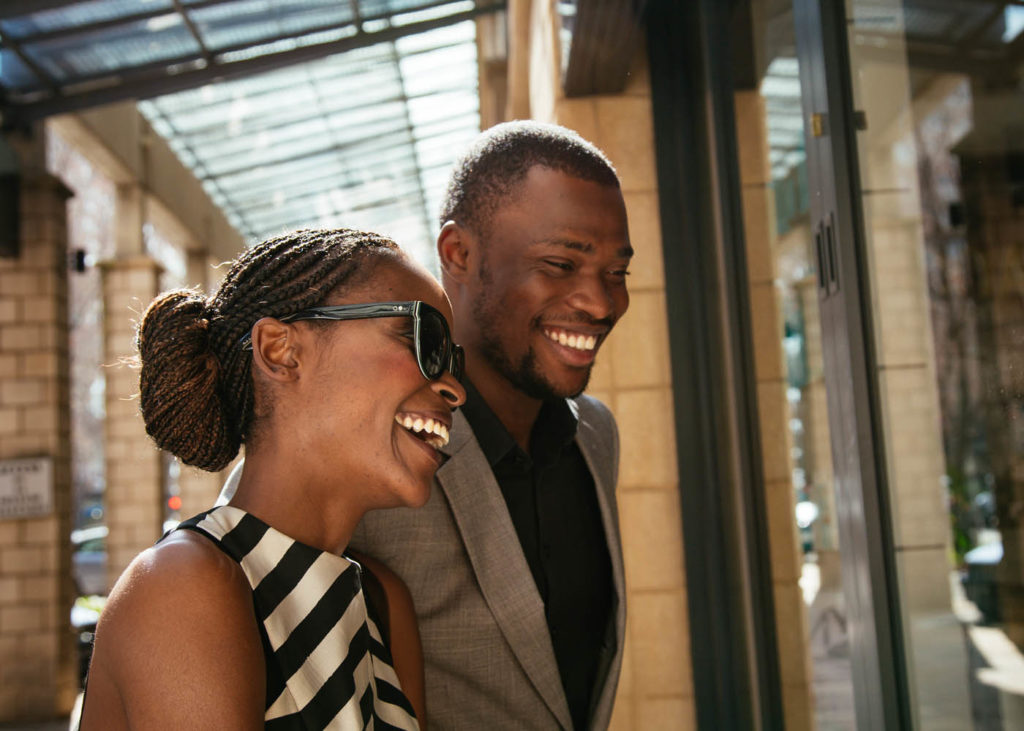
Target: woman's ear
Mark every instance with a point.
(275, 349)
(454, 244)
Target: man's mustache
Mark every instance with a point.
(578, 318)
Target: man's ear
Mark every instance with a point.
(275, 349)
(454, 245)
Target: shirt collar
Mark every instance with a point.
(555, 427)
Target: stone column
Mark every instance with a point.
(37, 648)
(134, 493)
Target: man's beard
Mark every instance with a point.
(526, 376)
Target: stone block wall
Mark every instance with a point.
(37, 646)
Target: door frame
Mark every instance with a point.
(864, 514)
(734, 648)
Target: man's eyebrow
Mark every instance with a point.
(626, 252)
(574, 244)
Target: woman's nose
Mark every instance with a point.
(450, 390)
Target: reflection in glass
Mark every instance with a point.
(814, 662)
(811, 457)
(942, 171)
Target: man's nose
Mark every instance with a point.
(594, 296)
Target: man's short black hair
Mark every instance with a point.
(501, 157)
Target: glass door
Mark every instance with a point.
(937, 88)
(811, 615)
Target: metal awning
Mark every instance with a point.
(291, 112)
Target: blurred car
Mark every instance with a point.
(89, 559)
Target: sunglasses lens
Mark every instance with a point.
(458, 364)
(433, 343)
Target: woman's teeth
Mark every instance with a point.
(579, 342)
(432, 432)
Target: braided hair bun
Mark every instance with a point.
(178, 383)
(196, 390)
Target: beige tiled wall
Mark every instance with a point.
(37, 671)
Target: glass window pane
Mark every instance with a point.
(74, 15)
(332, 140)
(94, 53)
(800, 490)
(940, 156)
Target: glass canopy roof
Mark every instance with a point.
(362, 139)
(291, 112)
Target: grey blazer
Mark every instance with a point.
(488, 655)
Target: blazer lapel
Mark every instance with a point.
(597, 450)
(500, 565)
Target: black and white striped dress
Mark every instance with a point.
(327, 667)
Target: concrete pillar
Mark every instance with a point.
(37, 647)
(517, 101)
(492, 68)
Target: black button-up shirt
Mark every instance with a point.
(553, 504)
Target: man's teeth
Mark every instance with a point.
(436, 431)
(579, 342)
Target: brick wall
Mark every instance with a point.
(37, 650)
(134, 491)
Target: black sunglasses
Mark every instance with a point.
(435, 351)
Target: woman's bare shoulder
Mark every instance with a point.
(167, 579)
(179, 636)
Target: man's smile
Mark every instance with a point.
(579, 341)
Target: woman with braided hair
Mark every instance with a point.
(328, 355)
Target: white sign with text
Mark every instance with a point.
(26, 488)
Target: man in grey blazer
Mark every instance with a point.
(515, 564)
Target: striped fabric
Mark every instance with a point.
(327, 667)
